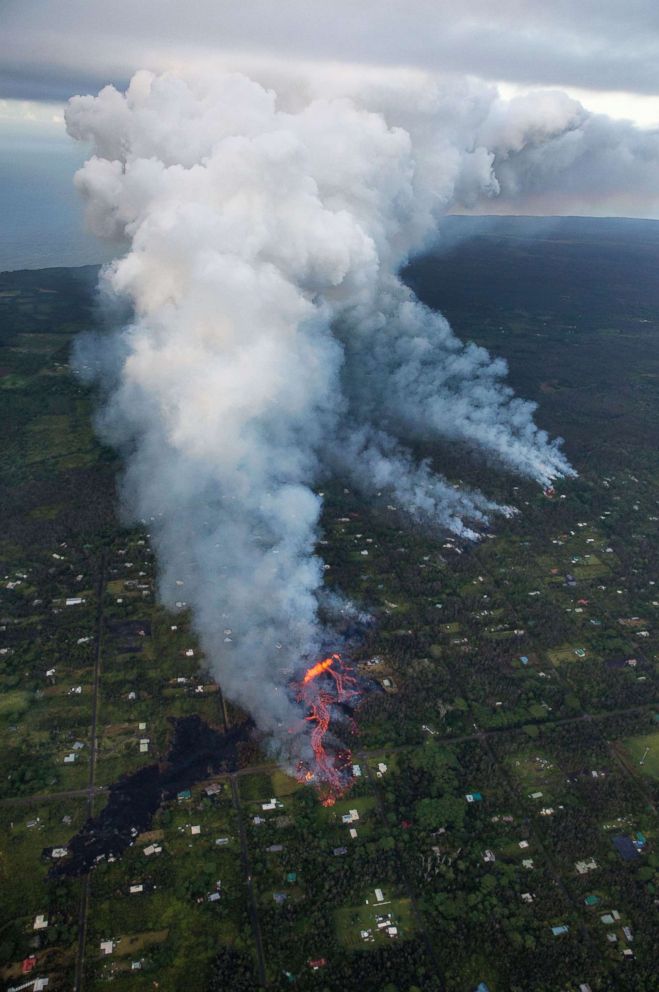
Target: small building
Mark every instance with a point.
(40, 922)
(474, 797)
(560, 929)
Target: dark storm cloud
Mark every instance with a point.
(53, 50)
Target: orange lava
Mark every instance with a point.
(319, 668)
(319, 698)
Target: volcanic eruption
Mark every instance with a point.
(268, 342)
(323, 687)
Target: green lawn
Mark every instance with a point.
(636, 746)
(350, 920)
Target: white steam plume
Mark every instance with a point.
(272, 339)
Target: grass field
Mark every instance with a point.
(637, 746)
(351, 920)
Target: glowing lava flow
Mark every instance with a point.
(323, 685)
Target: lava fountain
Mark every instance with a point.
(324, 686)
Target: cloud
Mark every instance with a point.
(52, 51)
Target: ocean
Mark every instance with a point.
(41, 214)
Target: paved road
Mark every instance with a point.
(251, 895)
(79, 973)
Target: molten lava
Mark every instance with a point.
(319, 668)
(324, 685)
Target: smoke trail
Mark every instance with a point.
(271, 341)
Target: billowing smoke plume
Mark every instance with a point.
(272, 341)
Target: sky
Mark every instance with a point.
(605, 53)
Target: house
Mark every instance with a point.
(40, 922)
(107, 946)
(356, 771)
(350, 817)
(378, 895)
(134, 889)
(353, 833)
(583, 867)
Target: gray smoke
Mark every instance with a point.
(272, 340)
